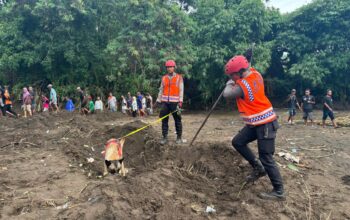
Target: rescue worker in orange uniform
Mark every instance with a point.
(171, 97)
(247, 87)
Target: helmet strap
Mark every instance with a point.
(242, 71)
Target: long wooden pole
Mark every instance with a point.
(206, 118)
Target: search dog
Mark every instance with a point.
(114, 160)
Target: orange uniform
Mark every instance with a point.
(172, 88)
(255, 107)
(7, 98)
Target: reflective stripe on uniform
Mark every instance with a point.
(260, 118)
(250, 91)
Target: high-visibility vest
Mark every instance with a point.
(171, 88)
(7, 98)
(255, 108)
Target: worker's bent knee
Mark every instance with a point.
(238, 143)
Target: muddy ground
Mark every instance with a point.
(45, 174)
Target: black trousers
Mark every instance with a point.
(265, 134)
(168, 107)
(8, 108)
(3, 111)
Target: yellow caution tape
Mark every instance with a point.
(146, 126)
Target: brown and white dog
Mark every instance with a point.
(114, 160)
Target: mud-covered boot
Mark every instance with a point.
(164, 141)
(179, 140)
(258, 171)
(277, 195)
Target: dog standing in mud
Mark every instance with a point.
(114, 160)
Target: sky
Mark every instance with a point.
(287, 5)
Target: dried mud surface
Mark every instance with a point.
(45, 174)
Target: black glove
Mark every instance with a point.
(249, 54)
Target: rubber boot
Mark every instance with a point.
(258, 171)
(179, 140)
(276, 195)
(164, 141)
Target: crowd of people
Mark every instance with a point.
(139, 105)
(306, 106)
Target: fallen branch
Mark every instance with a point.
(50, 203)
(240, 190)
(321, 156)
(312, 149)
(308, 196)
(286, 205)
(302, 166)
(29, 143)
(8, 187)
(83, 188)
(178, 172)
(190, 168)
(6, 145)
(90, 133)
(73, 206)
(329, 216)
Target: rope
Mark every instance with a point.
(148, 125)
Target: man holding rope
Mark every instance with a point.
(171, 96)
(246, 85)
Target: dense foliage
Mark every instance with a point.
(316, 43)
(120, 46)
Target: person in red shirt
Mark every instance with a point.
(246, 85)
(171, 96)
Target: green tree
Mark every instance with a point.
(120, 46)
(226, 28)
(316, 38)
(153, 32)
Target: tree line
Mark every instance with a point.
(121, 46)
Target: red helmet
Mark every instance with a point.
(170, 63)
(236, 64)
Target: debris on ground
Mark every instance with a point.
(164, 179)
(210, 209)
(90, 160)
(293, 167)
(289, 157)
(64, 206)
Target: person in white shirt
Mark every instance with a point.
(134, 106)
(143, 101)
(98, 105)
(124, 105)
